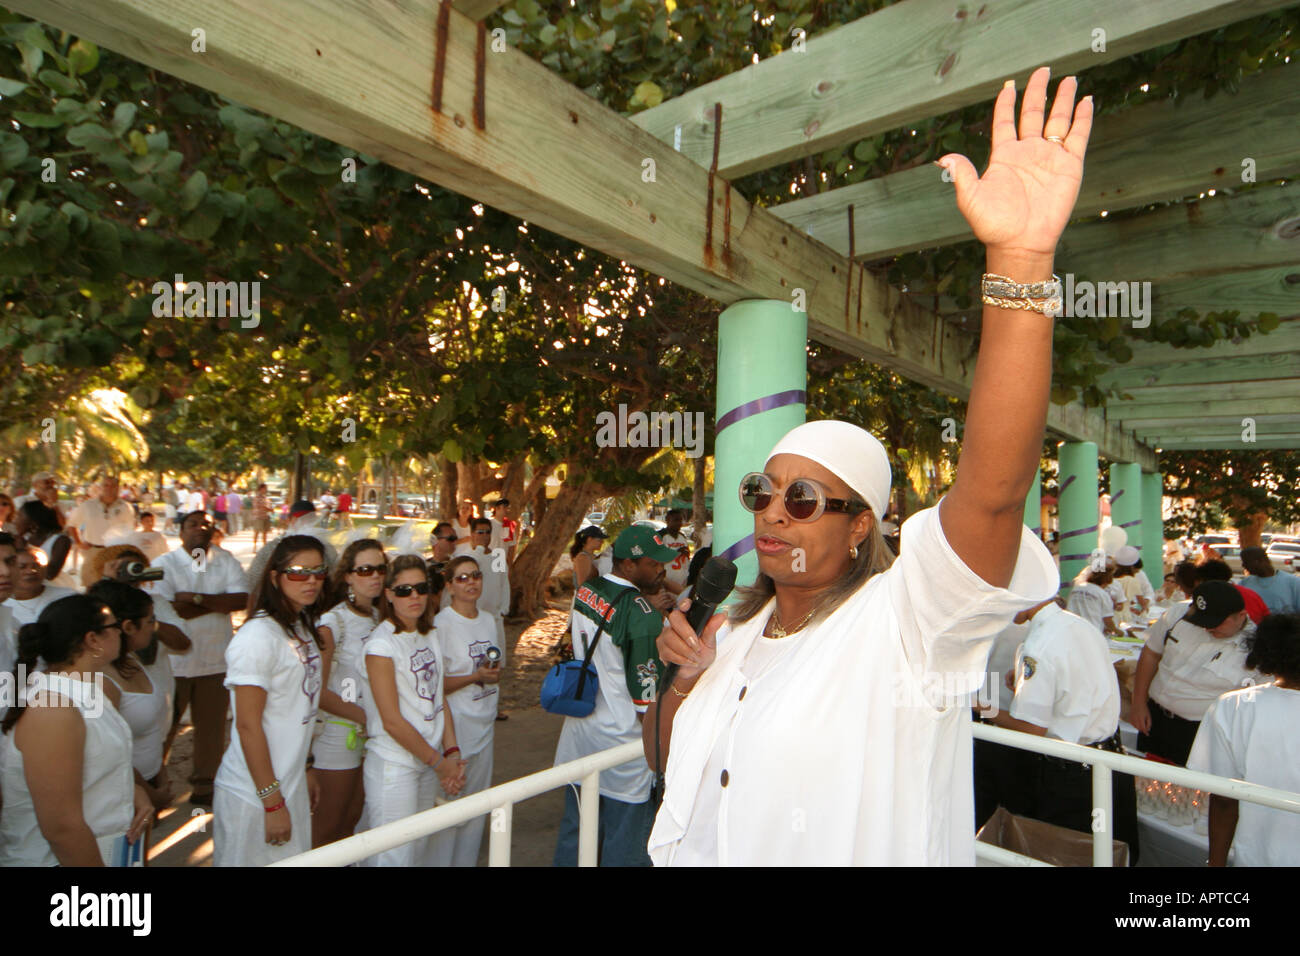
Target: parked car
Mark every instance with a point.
(596, 518)
(1213, 540)
(1231, 555)
(1285, 556)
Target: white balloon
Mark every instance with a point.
(1113, 538)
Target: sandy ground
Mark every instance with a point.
(525, 743)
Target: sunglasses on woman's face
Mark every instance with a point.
(805, 500)
(366, 570)
(468, 576)
(297, 573)
(405, 590)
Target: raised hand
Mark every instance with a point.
(1024, 199)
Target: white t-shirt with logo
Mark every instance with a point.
(210, 633)
(1196, 668)
(263, 654)
(473, 708)
(1250, 735)
(1092, 603)
(1065, 681)
(677, 569)
(418, 667)
(347, 669)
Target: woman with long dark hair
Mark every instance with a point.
(586, 544)
(70, 798)
(340, 747)
(412, 746)
(142, 698)
(829, 725)
(38, 524)
(264, 791)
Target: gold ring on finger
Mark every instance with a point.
(1058, 140)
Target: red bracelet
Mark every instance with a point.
(278, 806)
(451, 750)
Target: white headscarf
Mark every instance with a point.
(849, 452)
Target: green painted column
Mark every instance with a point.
(1153, 528)
(1126, 500)
(762, 381)
(1077, 508)
(1034, 505)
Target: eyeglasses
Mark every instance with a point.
(298, 574)
(482, 531)
(115, 626)
(445, 537)
(404, 590)
(469, 576)
(804, 498)
(366, 570)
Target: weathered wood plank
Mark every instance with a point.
(1258, 228)
(1200, 143)
(1214, 423)
(1185, 396)
(479, 9)
(1284, 440)
(1206, 371)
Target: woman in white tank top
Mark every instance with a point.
(144, 703)
(341, 744)
(69, 798)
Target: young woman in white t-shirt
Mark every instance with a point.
(69, 795)
(466, 637)
(412, 746)
(264, 791)
(341, 745)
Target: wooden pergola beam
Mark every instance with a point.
(1184, 396)
(1214, 423)
(1201, 146)
(479, 9)
(1284, 440)
(546, 153)
(1140, 416)
(1206, 371)
(1259, 228)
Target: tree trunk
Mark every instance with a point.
(698, 519)
(468, 484)
(551, 535)
(447, 489)
(1250, 534)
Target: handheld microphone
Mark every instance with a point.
(716, 581)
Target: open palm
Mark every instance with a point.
(1025, 197)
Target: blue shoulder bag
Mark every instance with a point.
(569, 687)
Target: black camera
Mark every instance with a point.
(134, 571)
(492, 656)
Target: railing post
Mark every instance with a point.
(589, 819)
(501, 822)
(1102, 846)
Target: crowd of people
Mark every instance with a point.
(363, 685)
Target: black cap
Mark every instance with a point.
(591, 531)
(302, 507)
(1213, 602)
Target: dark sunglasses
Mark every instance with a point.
(804, 498)
(115, 626)
(468, 576)
(366, 570)
(405, 590)
(445, 537)
(482, 531)
(298, 574)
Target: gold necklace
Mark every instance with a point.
(779, 632)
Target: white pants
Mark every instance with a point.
(395, 791)
(459, 846)
(239, 829)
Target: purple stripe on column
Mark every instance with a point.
(1066, 484)
(1071, 534)
(1117, 495)
(741, 547)
(1075, 557)
(1129, 524)
(765, 404)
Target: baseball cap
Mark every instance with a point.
(591, 531)
(640, 541)
(1212, 602)
(851, 453)
(1127, 556)
(301, 507)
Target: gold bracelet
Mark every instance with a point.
(1050, 307)
(673, 688)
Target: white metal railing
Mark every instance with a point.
(498, 801)
(1103, 762)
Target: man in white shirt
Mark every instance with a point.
(1250, 735)
(495, 599)
(193, 501)
(1066, 687)
(45, 489)
(675, 572)
(205, 586)
(93, 521)
(1092, 601)
(627, 669)
(8, 632)
(1182, 672)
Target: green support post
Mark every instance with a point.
(1126, 500)
(1077, 508)
(762, 382)
(1153, 528)
(1034, 505)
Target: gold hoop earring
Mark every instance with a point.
(853, 551)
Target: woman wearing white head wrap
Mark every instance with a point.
(826, 722)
